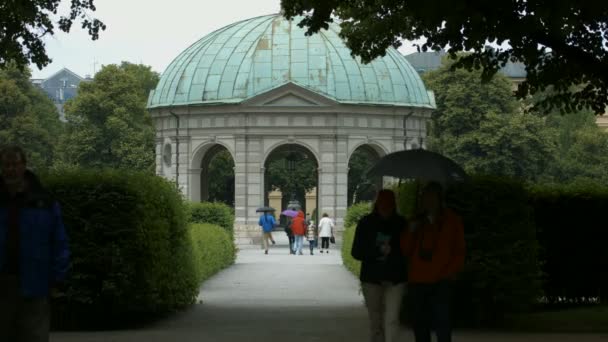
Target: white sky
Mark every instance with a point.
(147, 31)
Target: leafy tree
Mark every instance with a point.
(291, 173)
(108, 124)
(360, 187)
(27, 117)
(221, 172)
(24, 24)
(562, 43)
(481, 126)
(582, 149)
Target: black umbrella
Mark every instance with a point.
(419, 164)
(265, 210)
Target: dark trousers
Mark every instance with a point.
(22, 319)
(292, 239)
(325, 243)
(430, 309)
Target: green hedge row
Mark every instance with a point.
(213, 213)
(502, 273)
(214, 249)
(133, 256)
(572, 229)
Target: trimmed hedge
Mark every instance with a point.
(131, 248)
(502, 272)
(213, 213)
(571, 224)
(356, 212)
(214, 249)
(354, 266)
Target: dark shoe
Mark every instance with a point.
(273, 242)
(311, 253)
(266, 252)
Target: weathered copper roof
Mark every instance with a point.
(253, 56)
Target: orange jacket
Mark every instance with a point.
(447, 246)
(298, 224)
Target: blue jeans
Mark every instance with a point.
(430, 308)
(297, 245)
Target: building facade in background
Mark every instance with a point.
(60, 87)
(260, 86)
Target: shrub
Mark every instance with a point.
(354, 266)
(569, 222)
(356, 212)
(131, 252)
(214, 249)
(212, 212)
(502, 271)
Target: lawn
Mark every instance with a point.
(577, 320)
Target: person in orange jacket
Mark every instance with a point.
(298, 226)
(434, 243)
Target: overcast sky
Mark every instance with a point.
(148, 32)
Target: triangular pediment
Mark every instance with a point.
(290, 95)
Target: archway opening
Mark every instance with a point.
(217, 176)
(291, 179)
(362, 188)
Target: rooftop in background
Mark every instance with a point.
(60, 87)
(428, 61)
(254, 56)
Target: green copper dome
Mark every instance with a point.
(253, 56)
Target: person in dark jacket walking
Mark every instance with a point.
(34, 255)
(383, 266)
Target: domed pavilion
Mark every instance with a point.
(261, 85)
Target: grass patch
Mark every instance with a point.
(589, 319)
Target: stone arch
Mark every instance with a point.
(297, 147)
(375, 152)
(201, 157)
(302, 144)
(377, 147)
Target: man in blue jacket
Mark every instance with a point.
(34, 255)
(267, 222)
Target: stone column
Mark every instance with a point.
(333, 176)
(249, 195)
(159, 150)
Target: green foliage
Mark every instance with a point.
(569, 223)
(26, 22)
(356, 213)
(132, 254)
(28, 117)
(221, 171)
(360, 187)
(479, 126)
(212, 213)
(214, 249)
(502, 271)
(299, 181)
(354, 266)
(108, 124)
(561, 45)
(582, 149)
(406, 195)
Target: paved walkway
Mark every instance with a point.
(280, 297)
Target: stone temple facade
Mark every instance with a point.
(260, 85)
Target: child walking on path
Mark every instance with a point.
(311, 235)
